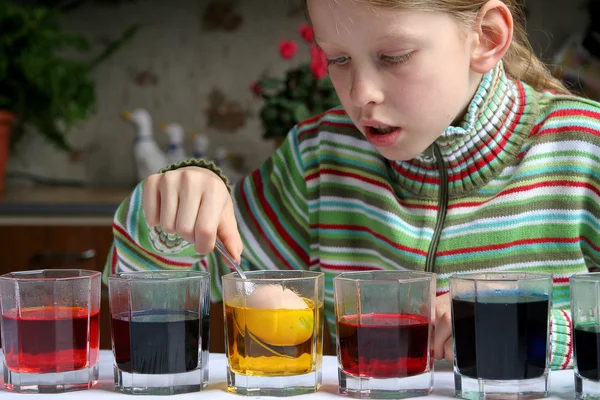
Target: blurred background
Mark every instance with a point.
(96, 93)
(189, 62)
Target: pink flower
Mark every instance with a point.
(318, 63)
(287, 48)
(255, 89)
(307, 33)
(318, 70)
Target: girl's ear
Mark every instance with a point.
(493, 31)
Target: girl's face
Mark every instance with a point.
(402, 76)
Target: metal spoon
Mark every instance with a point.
(221, 247)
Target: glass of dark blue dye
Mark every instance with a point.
(585, 304)
(160, 332)
(500, 326)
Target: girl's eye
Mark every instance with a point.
(396, 59)
(338, 61)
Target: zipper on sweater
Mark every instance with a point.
(442, 208)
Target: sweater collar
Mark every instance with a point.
(488, 139)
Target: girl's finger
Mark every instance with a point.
(151, 200)
(228, 232)
(169, 203)
(443, 331)
(187, 215)
(449, 350)
(207, 222)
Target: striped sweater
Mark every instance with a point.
(522, 190)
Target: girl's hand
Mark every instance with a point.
(443, 348)
(194, 203)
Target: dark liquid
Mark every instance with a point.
(36, 341)
(587, 355)
(497, 338)
(157, 341)
(383, 345)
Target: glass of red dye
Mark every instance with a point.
(384, 333)
(160, 331)
(50, 330)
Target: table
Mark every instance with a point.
(562, 386)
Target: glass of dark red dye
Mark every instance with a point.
(585, 305)
(384, 333)
(501, 330)
(50, 330)
(160, 332)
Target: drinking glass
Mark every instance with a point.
(274, 332)
(50, 329)
(384, 333)
(501, 331)
(160, 332)
(585, 304)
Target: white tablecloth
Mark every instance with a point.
(562, 386)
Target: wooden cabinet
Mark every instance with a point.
(24, 247)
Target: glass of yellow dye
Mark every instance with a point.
(274, 332)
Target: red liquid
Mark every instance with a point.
(50, 339)
(383, 345)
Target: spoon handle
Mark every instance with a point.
(221, 247)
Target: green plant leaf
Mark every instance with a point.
(286, 117)
(269, 83)
(269, 114)
(38, 81)
(113, 47)
(325, 83)
(301, 112)
(3, 65)
(300, 93)
(287, 104)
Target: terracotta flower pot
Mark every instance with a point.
(6, 124)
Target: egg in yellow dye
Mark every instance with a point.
(277, 316)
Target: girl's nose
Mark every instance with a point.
(366, 89)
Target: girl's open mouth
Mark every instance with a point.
(381, 130)
(382, 136)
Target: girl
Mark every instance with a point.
(455, 150)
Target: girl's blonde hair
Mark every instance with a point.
(519, 61)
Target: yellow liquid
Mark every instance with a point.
(274, 342)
